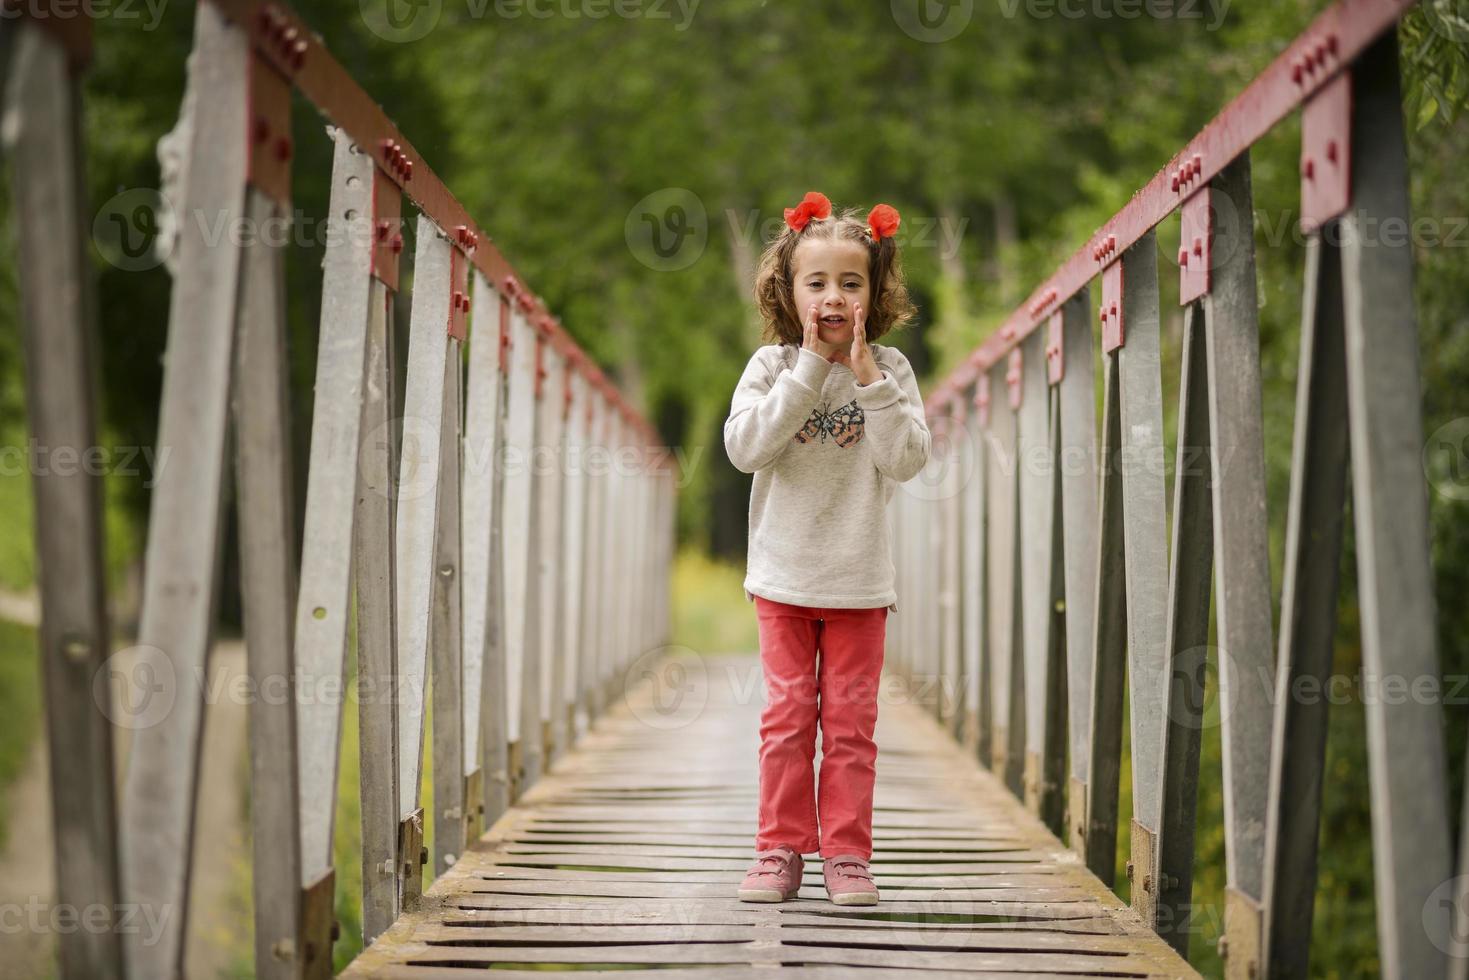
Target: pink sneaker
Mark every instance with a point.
(774, 877)
(849, 880)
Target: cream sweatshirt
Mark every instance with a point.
(827, 454)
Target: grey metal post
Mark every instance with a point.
(43, 143)
(1242, 565)
(550, 493)
(973, 594)
(1165, 890)
(417, 528)
(268, 554)
(532, 729)
(592, 585)
(321, 611)
(1079, 485)
(483, 583)
(1313, 546)
(573, 554)
(184, 519)
(1005, 648)
(377, 659)
(1038, 482)
(445, 629)
(950, 693)
(1406, 756)
(520, 438)
(1145, 540)
(1094, 828)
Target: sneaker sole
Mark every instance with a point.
(855, 898)
(764, 895)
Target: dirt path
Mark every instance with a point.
(26, 870)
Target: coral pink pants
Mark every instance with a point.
(839, 691)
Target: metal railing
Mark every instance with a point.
(506, 541)
(1038, 560)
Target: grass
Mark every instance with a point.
(17, 548)
(20, 705)
(710, 611)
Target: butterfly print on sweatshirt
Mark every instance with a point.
(843, 424)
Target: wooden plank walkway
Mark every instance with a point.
(623, 862)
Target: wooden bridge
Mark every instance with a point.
(504, 540)
(608, 862)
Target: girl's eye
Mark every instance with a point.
(854, 285)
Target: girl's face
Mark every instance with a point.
(833, 277)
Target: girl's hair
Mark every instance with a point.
(889, 307)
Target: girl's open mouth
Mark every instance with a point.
(834, 321)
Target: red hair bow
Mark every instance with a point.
(813, 205)
(883, 221)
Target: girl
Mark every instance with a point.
(829, 424)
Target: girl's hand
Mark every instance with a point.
(860, 358)
(812, 341)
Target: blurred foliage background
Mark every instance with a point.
(1004, 147)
